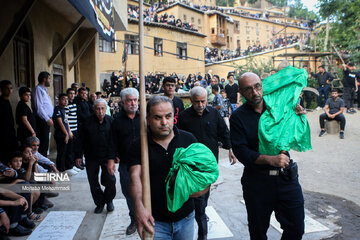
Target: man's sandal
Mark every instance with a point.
(35, 217)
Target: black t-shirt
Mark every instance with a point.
(231, 92)
(22, 109)
(178, 107)
(160, 161)
(349, 78)
(60, 113)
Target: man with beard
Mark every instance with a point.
(264, 188)
(209, 128)
(163, 140)
(43, 109)
(125, 129)
(96, 143)
(334, 108)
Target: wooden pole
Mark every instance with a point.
(145, 175)
(342, 60)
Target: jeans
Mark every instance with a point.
(264, 194)
(323, 91)
(233, 107)
(180, 230)
(125, 188)
(340, 118)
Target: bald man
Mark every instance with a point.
(265, 189)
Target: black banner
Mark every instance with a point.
(100, 13)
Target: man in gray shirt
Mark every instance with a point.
(334, 108)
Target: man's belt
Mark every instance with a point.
(273, 172)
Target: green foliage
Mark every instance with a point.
(345, 25)
(225, 2)
(298, 10)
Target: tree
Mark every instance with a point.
(225, 3)
(345, 25)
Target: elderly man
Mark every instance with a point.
(43, 109)
(96, 143)
(125, 130)
(209, 128)
(164, 138)
(264, 188)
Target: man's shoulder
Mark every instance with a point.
(186, 136)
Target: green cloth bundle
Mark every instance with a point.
(193, 169)
(280, 128)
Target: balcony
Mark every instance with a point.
(218, 39)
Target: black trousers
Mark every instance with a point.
(349, 97)
(42, 132)
(99, 196)
(125, 188)
(308, 99)
(264, 194)
(340, 118)
(63, 157)
(200, 216)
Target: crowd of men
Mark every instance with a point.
(215, 54)
(88, 135)
(151, 15)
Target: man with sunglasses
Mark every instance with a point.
(264, 189)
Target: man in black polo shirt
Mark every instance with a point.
(264, 189)
(232, 91)
(324, 78)
(209, 128)
(125, 130)
(163, 139)
(334, 108)
(350, 85)
(96, 143)
(169, 85)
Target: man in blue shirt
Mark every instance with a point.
(43, 109)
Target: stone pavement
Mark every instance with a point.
(327, 216)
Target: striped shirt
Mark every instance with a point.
(71, 111)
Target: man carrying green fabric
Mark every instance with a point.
(163, 140)
(265, 186)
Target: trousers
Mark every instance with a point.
(323, 91)
(42, 132)
(340, 118)
(200, 216)
(99, 196)
(264, 194)
(125, 188)
(180, 230)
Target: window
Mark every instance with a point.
(132, 42)
(192, 19)
(199, 21)
(158, 47)
(105, 46)
(181, 50)
(184, 17)
(212, 30)
(22, 57)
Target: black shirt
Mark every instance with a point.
(209, 129)
(125, 131)
(349, 78)
(83, 110)
(244, 124)
(8, 141)
(22, 109)
(60, 113)
(178, 107)
(160, 161)
(323, 77)
(95, 140)
(231, 92)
